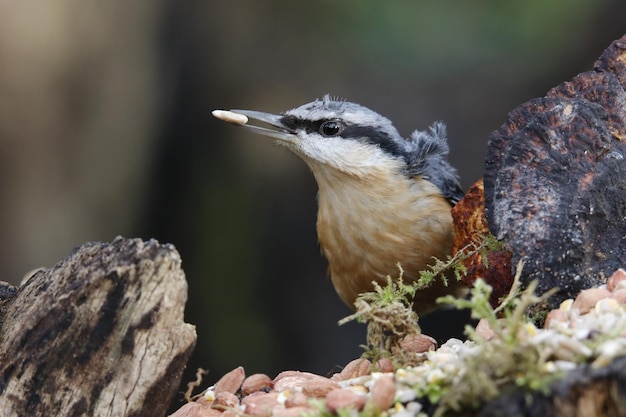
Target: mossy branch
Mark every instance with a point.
(482, 245)
(388, 314)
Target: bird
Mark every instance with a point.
(384, 201)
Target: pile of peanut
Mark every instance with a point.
(292, 393)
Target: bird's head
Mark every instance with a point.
(335, 136)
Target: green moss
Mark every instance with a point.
(505, 360)
(389, 317)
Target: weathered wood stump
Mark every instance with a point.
(99, 334)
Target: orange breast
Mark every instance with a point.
(367, 229)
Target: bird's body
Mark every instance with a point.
(366, 228)
(383, 200)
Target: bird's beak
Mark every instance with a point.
(241, 118)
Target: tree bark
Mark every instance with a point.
(99, 334)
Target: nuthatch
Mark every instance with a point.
(383, 200)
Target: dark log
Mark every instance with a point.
(99, 334)
(554, 180)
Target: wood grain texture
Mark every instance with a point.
(99, 334)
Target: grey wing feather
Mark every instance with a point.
(427, 157)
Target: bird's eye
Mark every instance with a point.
(331, 128)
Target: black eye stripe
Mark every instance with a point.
(366, 134)
(295, 123)
(375, 137)
(309, 126)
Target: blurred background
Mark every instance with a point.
(106, 129)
